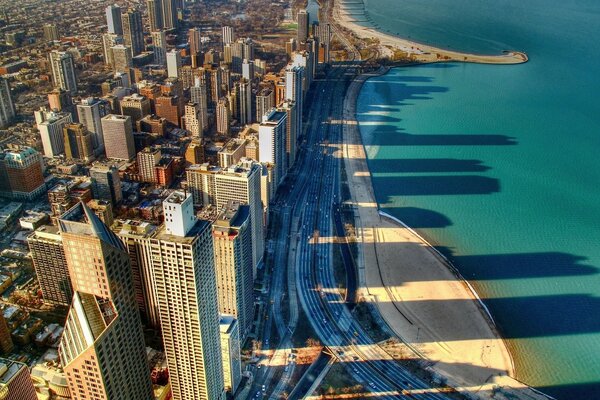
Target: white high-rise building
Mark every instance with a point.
(51, 132)
(271, 139)
(173, 63)
(63, 71)
(294, 76)
(241, 182)
(199, 95)
(192, 120)
(232, 243)
(185, 281)
(113, 19)
(248, 69)
(228, 35)
(109, 40)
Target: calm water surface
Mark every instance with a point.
(499, 166)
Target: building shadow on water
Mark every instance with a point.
(432, 185)
(419, 217)
(426, 165)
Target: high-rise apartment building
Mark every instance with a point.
(323, 34)
(194, 42)
(216, 186)
(169, 108)
(232, 243)
(90, 112)
(173, 63)
(106, 184)
(133, 31)
(21, 175)
(118, 137)
(135, 106)
(294, 77)
(159, 42)
(79, 142)
(302, 19)
(109, 40)
(63, 71)
(102, 348)
(113, 19)
(121, 58)
(223, 116)
(51, 33)
(137, 238)
(265, 101)
(60, 99)
(230, 350)
(192, 120)
(147, 160)
(271, 138)
(15, 381)
(48, 256)
(185, 282)
(291, 138)
(198, 95)
(228, 35)
(155, 14)
(169, 14)
(248, 69)
(51, 132)
(246, 116)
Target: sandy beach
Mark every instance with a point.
(346, 19)
(420, 297)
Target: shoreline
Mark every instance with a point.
(420, 52)
(490, 352)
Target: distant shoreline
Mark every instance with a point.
(417, 51)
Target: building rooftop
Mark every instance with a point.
(8, 370)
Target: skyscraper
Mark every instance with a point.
(228, 35)
(245, 102)
(63, 71)
(194, 41)
(51, 132)
(271, 139)
(232, 243)
(198, 95)
(169, 14)
(7, 108)
(186, 284)
(133, 31)
(102, 349)
(223, 116)
(230, 350)
(192, 120)
(121, 58)
(240, 182)
(289, 107)
(113, 19)
(109, 40)
(50, 32)
(293, 91)
(155, 14)
(173, 63)
(79, 142)
(90, 112)
(248, 69)
(106, 184)
(302, 33)
(159, 42)
(118, 137)
(135, 106)
(265, 100)
(48, 256)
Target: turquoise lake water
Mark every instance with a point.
(499, 166)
